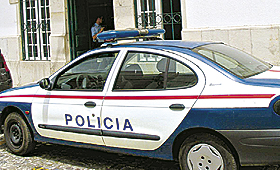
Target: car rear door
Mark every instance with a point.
(146, 103)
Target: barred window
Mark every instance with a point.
(148, 13)
(35, 29)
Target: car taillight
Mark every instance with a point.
(5, 64)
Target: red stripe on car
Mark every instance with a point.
(229, 96)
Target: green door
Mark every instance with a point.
(172, 19)
(78, 26)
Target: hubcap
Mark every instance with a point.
(204, 157)
(15, 134)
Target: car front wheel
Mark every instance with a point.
(206, 152)
(17, 135)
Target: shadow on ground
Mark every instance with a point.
(92, 159)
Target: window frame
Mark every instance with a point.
(77, 62)
(35, 30)
(165, 79)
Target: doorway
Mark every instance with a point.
(82, 15)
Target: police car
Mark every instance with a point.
(205, 104)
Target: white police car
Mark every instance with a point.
(205, 104)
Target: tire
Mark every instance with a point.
(207, 152)
(17, 135)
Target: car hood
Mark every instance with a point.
(22, 88)
(269, 78)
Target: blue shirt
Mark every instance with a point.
(95, 29)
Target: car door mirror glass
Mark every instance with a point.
(45, 83)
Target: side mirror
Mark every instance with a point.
(45, 84)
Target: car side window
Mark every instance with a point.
(90, 73)
(144, 71)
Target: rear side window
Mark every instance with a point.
(235, 61)
(144, 71)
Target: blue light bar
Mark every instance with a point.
(122, 34)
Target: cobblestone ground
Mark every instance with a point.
(57, 157)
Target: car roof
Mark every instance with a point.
(170, 43)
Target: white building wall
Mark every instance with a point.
(24, 72)
(124, 14)
(250, 25)
(10, 36)
(8, 19)
(227, 13)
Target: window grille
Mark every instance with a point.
(150, 14)
(35, 27)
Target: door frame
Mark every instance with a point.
(72, 35)
(72, 26)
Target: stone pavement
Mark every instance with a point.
(57, 157)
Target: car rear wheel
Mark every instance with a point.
(206, 152)
(17, 135)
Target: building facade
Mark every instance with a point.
(37, 37)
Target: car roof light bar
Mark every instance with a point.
(115, 35)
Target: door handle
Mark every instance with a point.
(90, 104)
(177, 107)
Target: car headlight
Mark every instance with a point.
(276, 107)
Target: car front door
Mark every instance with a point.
(71, 109)
(153, 92)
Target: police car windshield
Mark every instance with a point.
(235, 61)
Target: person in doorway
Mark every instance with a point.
(95, 30)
